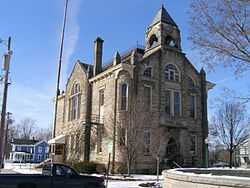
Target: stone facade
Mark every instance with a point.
(152, 98)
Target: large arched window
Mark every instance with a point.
(124, 96)
(172, 73)
(153, 41)
(74, 102)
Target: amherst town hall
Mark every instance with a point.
(148, 103)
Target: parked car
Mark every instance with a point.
(53, 176)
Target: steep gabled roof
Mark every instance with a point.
(163, 16)
(42, 141)
(85, 65)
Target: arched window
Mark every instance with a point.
(74, 102)
(124, 96)
(169, 41)
(153, 41)
(190, 82)
(75, 89)
(148, 72)
(172, 73)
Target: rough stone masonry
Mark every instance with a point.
(149, 102)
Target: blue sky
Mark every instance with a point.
(35, 28)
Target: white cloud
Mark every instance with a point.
(26, 101)
(71, 37)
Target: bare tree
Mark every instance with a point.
(26, 128)
(229, 125)
(43, 134)
(129, 139)
(13, 131)
(219, 154)
(220, 31)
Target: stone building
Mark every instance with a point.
(241, 154)
(148, 103)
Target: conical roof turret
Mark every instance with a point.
(163, 16)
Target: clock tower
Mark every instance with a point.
(163, 32)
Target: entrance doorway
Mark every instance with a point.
(172, 155)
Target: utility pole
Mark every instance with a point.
(59, 69)
(6, 63)
(8, 122)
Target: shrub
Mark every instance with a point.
(100, 168)
(121, 168)
(85, 167)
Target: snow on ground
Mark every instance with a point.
(125, 184)
(118, 181)
(23, 168)
(133, 177)
(7, 171)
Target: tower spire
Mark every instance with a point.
(163, 16)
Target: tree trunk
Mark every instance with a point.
(231, 158)
(128, 167)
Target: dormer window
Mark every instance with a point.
(148, 72)
(170, 42)
(153, 41)
(172, 73)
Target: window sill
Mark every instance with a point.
(74, 120)
(122, 110)
(173, 116)
(172, 81)
(149, 79)
(192, 119)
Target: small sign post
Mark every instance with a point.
(107, 172)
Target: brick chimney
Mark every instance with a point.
(98, 56)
